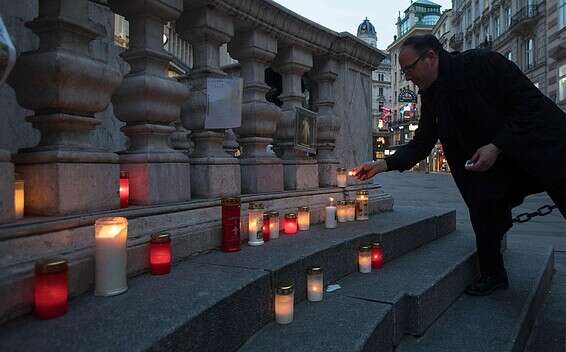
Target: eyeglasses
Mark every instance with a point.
(412, 66)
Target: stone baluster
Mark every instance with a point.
(328, 124)
(214, 172)
(180, 138)
(65, 87)
(6, 188)
(300, 170)
(262, 171)
(230, 144)
(148, 102)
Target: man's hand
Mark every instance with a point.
(484, 158)
(369, 170)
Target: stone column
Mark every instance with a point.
(65, 87)
(262, 171)
(300, 170)
(214, 172)
(6, 188)
(325, 73)
(148, 102)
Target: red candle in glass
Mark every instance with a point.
(231, 224)
(290, 224)
(160, 254)
(266, 229)
(124, 189)
(376, 255)
(51, 288)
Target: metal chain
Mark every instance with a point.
(542, 211)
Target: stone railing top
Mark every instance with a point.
(293, 29)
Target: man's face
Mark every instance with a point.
(421, 68)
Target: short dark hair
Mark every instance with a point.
(423, 42)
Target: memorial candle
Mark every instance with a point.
(273, 225)
(341, 177)
(18, 196)
(266, 228)
(255, 224)
(351, 210)
(124, 189)
(111, 235)
(284, 303)
(231, 224)
(290, 224)
(364, 259)
(50, 288)
(376, 255)
(330, 214)
(304, 219)
(342, 211)
(315, 284)
(362, 211)
(160, 254)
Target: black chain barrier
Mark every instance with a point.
(542, 211)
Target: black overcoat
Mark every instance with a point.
(480, 97)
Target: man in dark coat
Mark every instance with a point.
(503, 140)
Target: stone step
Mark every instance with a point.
(500, 322)
(405, 296)
(215, 302)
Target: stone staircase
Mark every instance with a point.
(224, 301)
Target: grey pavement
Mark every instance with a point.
(439, 190)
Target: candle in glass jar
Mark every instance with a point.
(19, 196)
(290, 224)
(364, 259)
(304, 219)
(273, 225)
(124, 189)
(284, 303)
(255, 224)
(342, 211)
(315, 284)
(362, 211)
(231, 224)
(341, 177)
(266, 228)
(351, 210)
(111, 235)
(160, 256)
(376, 255)
(51, 288)
(330, 214)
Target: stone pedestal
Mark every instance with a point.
(262, 171)
(149, 102)
(215, 173)
(6, 188)
(300, 170)
(65, 87)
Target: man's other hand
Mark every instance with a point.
(369, 170)
(484, 158)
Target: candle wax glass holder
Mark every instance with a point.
(160, 256)
(51, 288)
(231, 224)
(291, 226)
(304, 219)
(362, 209)
(284, 303)
(315, 284)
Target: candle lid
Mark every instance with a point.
(341, 169)
(254, 206)
(265, 215)
(285, 289)
(160, 238)
(362, 193)
(291, 216)
(365, 248)
(352, 202)
(314, 270)
(273, 214)
(230, 201)
(50, 265)
(124, 174)
(376, 244)
(303, 208)
(342, 202)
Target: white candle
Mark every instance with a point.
(304, 219)
(111, 236)
(274, 225)
(364, 259)
(351, 210)
(255, 224)
(330, 219)
(342, 211)
(284, 304)
(19, 196)
(315, 284)
(362, 211)
(341, 177)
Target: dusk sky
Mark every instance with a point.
(346, 16)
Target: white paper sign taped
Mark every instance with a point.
(224, 103)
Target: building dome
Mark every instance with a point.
(366, 29)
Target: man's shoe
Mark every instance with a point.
(487, 284)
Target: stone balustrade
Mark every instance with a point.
(82, 98)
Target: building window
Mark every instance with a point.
(508, 17)
(496, 26)
(562, 13)
(380, 91)
(530, 53)
(121, 31)
(562, 83)
(509, 55)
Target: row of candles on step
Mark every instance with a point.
(369, 256)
